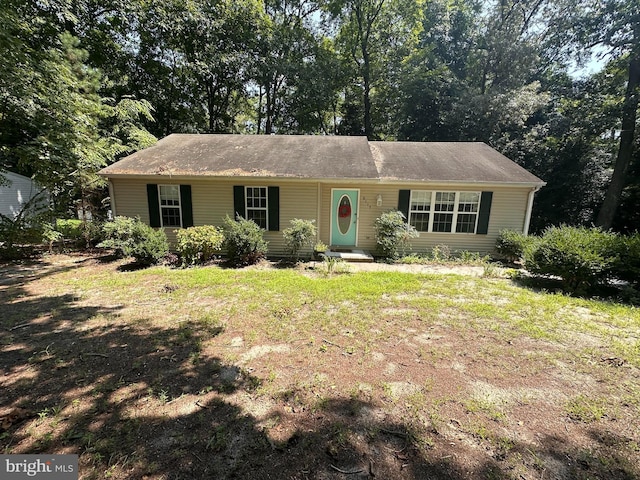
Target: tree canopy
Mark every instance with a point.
(85, 82)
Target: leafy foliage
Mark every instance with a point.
(129, 237)
(393, 234)
(627, 266)
(199, 244)
(512, 245)
(581, 257)
(82, 86)
(55, 123)
(302, 233)
(243, 241)
(69, 228)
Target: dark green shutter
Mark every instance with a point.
(187, 206)
(238, 202)
(154, 205)
(483, 214)
(274, 208)
(403, 203)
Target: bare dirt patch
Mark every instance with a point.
(148, 381)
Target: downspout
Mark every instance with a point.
(112, 199)
(527, 217)
(319, 212)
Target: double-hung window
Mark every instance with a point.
(170, 211)
(468, 205)
(259, 204)
(420, 210)
(256, 199)
(444, 212)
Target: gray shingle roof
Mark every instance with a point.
(297, 156)
(464, 162)
(320, 157)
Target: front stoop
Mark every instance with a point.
(349, 255)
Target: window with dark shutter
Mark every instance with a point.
(446, 212)
(259, 204)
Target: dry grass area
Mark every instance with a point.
(292, 373)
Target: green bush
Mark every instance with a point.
(243, 241)
(512, 245)
(581, 257)
(197, 245)
(51, 236)
(393, 234)
(92, 232)
(627, 266)
(129, 237)
(302, 233)
(70, 229)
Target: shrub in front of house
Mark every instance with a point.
(197, 245)
(71, 228)
(129, 237)
(92, 232)
(393, 234)
(627, 266)
(512, 245)
(581, 257)
(302, 233)
(243, 241)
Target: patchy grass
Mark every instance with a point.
(299, 373)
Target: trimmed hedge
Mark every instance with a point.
(581, 257)
(393, 234)
(512, 245)
(243, 240)
(70, 228)
(627, 266)
(302, 233)
(197, 245)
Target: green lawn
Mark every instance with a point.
(293, 373)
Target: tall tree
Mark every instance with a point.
(376, 36)
(218, 39)
(55, 124)
(437, 72)
(286, 46)
(614, 25)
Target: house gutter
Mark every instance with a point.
(527, 217)
(325, 180)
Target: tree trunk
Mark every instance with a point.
(260, 96)
(366, 77)
(211, 105)
(625, 149)
(268, 124)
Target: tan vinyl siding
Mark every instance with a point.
(508, 210)
(130, 198)
(212, 200)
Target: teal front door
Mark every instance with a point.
(344, 217)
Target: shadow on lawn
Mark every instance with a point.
(135, 401)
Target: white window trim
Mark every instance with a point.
(455, 211)
(166, 206)
(246, 203)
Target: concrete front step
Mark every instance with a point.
(349, 254)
